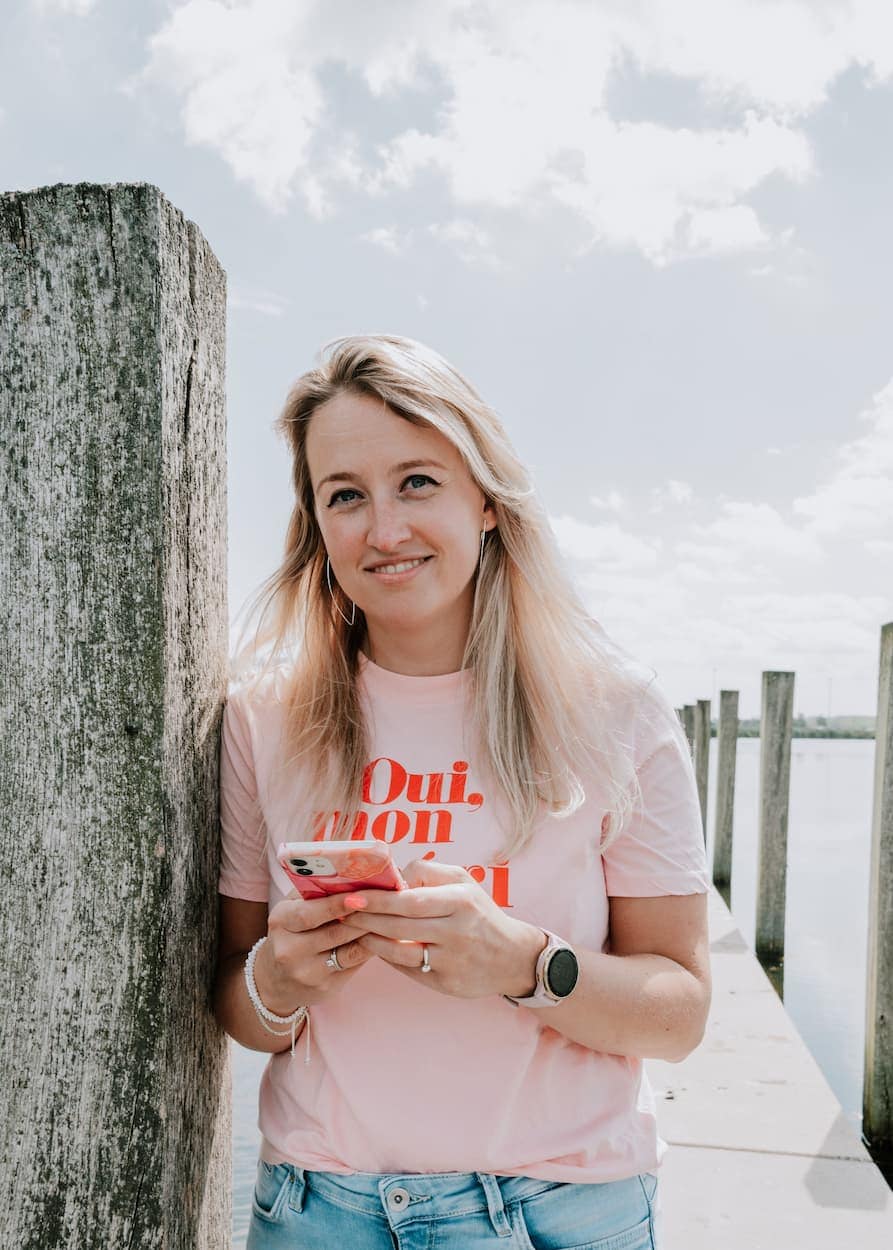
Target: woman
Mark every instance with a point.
(470, 1068)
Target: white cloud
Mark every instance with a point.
(245, 90)
(388, 238)
(268, 303)
(635, 184)
(607, 546)
(526, 121)
(679, 492)
(745, 531)
(705, 574)
(872, 454)
(820, 623)
(857, 498)
(612, 502)
(686, 626)
(460, 231)
(674, 492)
(471, 243)
(849, 506)
(729, 229)
(748, 588)
(781, 56)
(77, 8)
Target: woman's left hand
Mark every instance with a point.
(474, 948)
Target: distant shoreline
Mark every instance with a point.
(748, 731)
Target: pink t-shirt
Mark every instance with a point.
(405, 1079)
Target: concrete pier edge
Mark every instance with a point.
(761, 1154)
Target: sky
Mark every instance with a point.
(654, 234)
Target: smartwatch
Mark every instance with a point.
(557, 971)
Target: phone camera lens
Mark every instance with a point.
(299, 863)
(305, 872)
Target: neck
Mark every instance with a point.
(428, 650)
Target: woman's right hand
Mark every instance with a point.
(290, 969)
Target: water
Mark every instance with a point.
(826, 927)
(826, 915)
(247, 1066)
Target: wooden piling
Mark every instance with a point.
(702, 757)
(776, 721)
(114, 1103)
(688, 723)
(877, 1096)
(727, 750)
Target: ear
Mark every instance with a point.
(488, 520)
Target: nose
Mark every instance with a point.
(388, 526)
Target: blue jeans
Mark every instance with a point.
(298, 1210)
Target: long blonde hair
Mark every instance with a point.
(545, 677)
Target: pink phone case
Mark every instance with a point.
(321, 868)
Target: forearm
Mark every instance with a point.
(648, 1006)
(236, 1015)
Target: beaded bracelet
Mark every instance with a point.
(264, 1014)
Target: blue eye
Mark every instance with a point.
(415, 482)
(336, 498)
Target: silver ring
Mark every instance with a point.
(426, 966)
(332, 961)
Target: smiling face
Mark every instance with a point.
(401, 520)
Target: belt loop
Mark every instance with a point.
(298, 1189)
(495, 1205)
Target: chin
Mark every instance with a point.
(410, 616)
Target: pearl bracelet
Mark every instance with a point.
(264, 1014)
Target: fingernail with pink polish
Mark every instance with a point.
(355, 901)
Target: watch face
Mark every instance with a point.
(561, 974)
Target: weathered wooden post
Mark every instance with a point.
(776, 721)
(877, 1095)
(688, 721)
(114, 1110)
(727, 751)
(702, 756)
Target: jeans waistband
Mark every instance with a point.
(400, 1197)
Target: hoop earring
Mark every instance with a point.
(353, 607)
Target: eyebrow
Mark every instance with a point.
(346, 476)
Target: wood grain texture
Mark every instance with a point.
(727, 752)
(702, 757)
(776, 723)
(688, 724)
(114, 1111)
(877, 1110)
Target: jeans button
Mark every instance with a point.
(398, 1198)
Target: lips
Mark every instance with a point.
(399, 566)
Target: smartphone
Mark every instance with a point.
(320, 868)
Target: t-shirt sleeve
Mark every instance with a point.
(243, 832)
(661, 848)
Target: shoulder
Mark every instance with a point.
(631, 698)
(656, 726)
(254, 709)
(261, 689)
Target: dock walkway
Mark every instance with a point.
(761, 1156)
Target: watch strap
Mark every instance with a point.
(541, 996)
